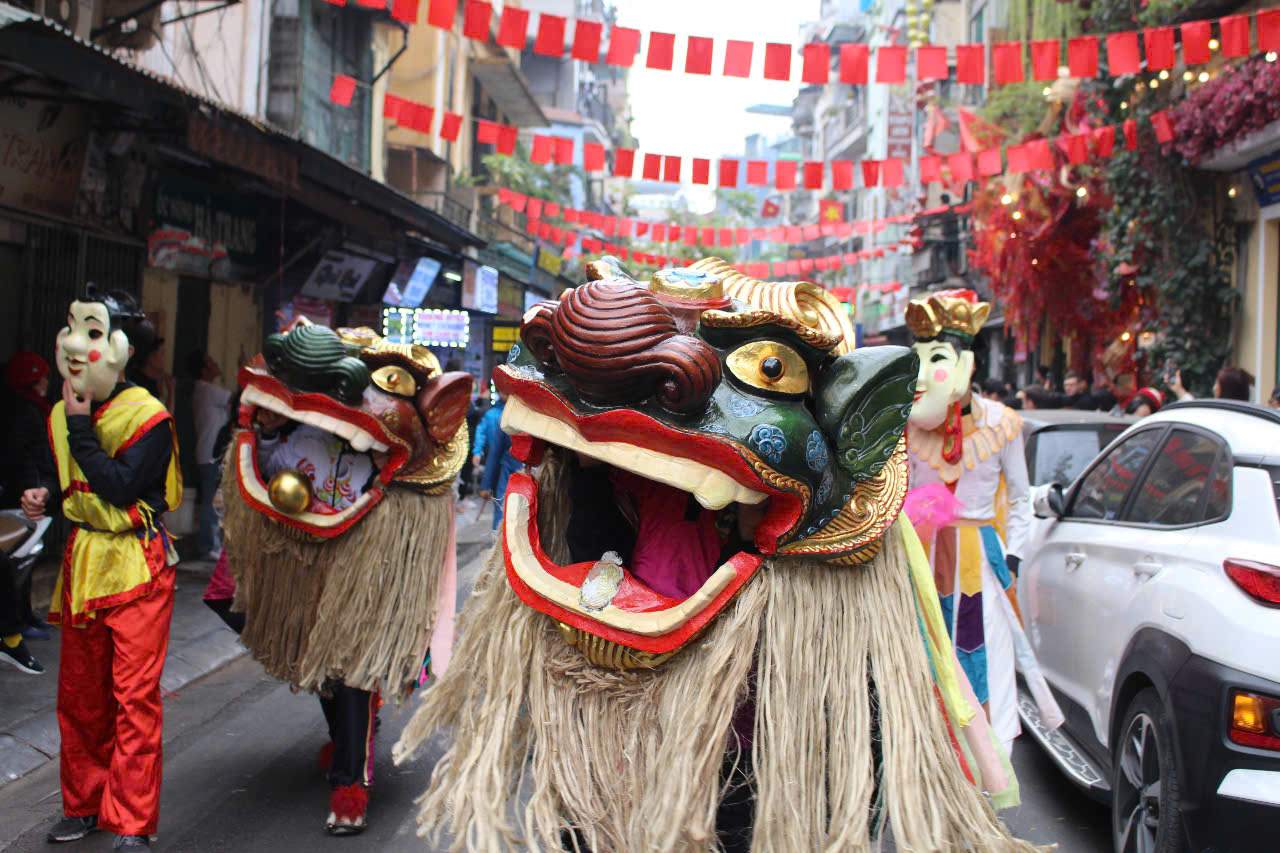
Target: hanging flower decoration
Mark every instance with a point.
(1230, 106)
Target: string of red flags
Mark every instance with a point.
(852, 63)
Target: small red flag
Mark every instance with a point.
(1075, 146)
(405, 10)
(707, 236)
(1040, 155)
(728, 172)
(592, 156)
(392, 106)
(564, 150)
(971, 64)
(624, 44)
(830, 210)
(784, 174)
(651, 170)
(701, 170)
(1160, 48)
(931, 62)
(1006, 62)
(586, 40)
(450, 127)
(1130, 134)
(758, 173)
(1105, 140)
(891, 172)
(842, 174)
(543, 149)
(534, 209)
(662, 51)
(1019, 159)
(550, 38)
(1269, 30)
(813, 175)
(930, 169)
(476, 19)
(1163, 127)
(697, 58)
(737, 58)
(507, 135)
(777, 61)
(817, 63)
(486, 132)
(671, 169)
(659, 232)
(1195, 42)
(624, 162)
(1235, 36)
(420, 118)
(724, 237)
(513, 26)
(342, 90)
(1045, 55)
(961, 166)
(1082, 57)
(891, 63)
(870, 172)
(853, 64)
(1122, 54)
(441, 13)
(989, 162)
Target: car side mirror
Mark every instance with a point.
(1049, 501)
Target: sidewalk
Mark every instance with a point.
(199, 643)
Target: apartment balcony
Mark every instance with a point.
(450, 208)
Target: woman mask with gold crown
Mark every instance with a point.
(967, 453)
(707, 624)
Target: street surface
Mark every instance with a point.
(240, 774)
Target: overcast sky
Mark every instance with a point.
(705, 116)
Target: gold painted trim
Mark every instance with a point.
(608, 654)
(437, 473)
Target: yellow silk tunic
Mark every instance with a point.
(115, 553)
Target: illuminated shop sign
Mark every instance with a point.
(433, 327)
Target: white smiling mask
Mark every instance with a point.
(90, 354)
(943, 381)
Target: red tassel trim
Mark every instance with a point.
(349, 802)
(953, 435)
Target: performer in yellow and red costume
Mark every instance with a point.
(115, 457)
(967, 452)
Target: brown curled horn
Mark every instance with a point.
(618, 344)
(535, 332)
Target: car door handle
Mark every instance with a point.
(1074, 560)
(1147, 567)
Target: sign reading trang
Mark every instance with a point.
(42, 148)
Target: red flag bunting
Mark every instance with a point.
(784, 174)
(1195, 42)
(961, 166)
(512, 27)
(931, 62)
(662, 51)
(586, 40)
(1105, 140)
(486, 132)
(777, 61)
(701, 170)
(724, 237)
(564, 150)
(842, 174)
(1006, 62)
(870, 172)
(550, 38)
(758, 173)
(543, 149)
(891, 172)
(1019, 161)
(1075, 146)
(1130, 134)
(450, 127)
(652, 168)
(342, 90)
(441, 13)
(891, 63)
(1159, 43)
(971, 64)
(392, 105)
(476, 20)
(817, 63)
(624, 161)
(592, 156)
(1039, 154)
(707, 236)
(671, 169)
(1082, 57)
(813, 175)
(1269, 30)
(737, 58)
(853, 64)
(624, 44)
(930, 169)
(697, 59)
(1045, 56)
(1122, 53)
(728, 173)
(1163, 126)
(534, 208)
(989, 162)
(405, 11)
(1235, 36)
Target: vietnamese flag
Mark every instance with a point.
(830, 210)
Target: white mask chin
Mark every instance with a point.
(942, 382)
(90, 355)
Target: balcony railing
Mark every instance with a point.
(450, 208)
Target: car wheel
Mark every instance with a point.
(1145, 815)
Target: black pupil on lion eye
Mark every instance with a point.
(771, 367)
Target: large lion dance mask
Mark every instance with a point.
(705, 567)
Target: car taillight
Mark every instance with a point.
(1260, 581)
(1255, 720)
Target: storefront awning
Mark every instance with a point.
(503, 82)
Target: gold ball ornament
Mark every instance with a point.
(290, 492)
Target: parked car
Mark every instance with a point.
(1060, 442)
(1153, 604)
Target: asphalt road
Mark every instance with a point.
(240, 775)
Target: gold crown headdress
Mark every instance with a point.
(955, 313)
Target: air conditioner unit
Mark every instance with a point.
(77, 16)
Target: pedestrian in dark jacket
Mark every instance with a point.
(493, 447)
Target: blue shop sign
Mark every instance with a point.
(1265, 175)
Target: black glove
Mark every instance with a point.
(1013, 563)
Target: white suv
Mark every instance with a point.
(1152, 598)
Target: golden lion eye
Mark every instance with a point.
(769, 366)
(395, 380)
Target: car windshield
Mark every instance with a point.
(1061, 453)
